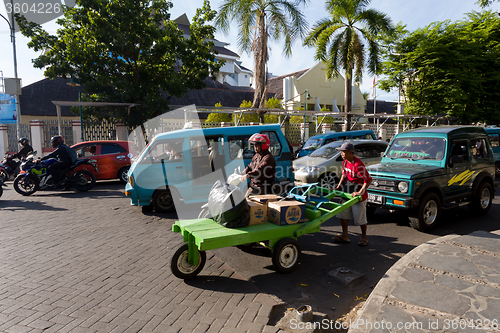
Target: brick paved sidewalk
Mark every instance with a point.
(90, 262)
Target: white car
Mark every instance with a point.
(324, 166)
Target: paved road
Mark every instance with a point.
(90, 262)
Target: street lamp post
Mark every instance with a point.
(75, 82)
(13, 40)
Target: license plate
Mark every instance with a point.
(377, 199)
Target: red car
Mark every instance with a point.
(111, 157)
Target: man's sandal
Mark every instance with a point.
(340, 240)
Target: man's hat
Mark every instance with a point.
(346, 146)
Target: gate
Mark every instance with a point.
(94, 130)
(12, 136)
(51, 128)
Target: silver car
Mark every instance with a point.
(325, 164)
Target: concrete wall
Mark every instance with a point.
(321, 90)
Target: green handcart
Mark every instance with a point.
(204, 234)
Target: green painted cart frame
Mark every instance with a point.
(204, 234)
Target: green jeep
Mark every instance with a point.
(426, 170)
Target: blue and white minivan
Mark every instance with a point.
(494, 136)
(185, 164)
(317, 141)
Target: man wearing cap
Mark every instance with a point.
(354, 170)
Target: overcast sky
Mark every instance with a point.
(415, 14)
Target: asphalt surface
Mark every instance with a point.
(90, 262)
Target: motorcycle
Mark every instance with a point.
(9, 167)
(1, 186)
(34, 177)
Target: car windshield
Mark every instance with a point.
(417, 148)
(312, 144)
(327, 151)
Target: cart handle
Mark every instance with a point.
(311, 226)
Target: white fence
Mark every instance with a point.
(39, 134)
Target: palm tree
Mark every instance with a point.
(258, 22)
(339, 42)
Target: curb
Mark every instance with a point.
(386, 285)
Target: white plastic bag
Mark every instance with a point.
(234, 179)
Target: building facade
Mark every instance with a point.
(309, 89)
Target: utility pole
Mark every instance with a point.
(12, 28)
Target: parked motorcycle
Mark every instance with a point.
(1, 186)
(34, 177)
(9, 167)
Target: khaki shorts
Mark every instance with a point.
(356, 212)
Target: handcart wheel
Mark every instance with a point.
(286, 254)
(180, 266)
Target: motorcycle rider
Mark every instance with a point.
(25, 150)
(62, 154)
(262, 169)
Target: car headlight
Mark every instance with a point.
(309, 169)
(131, 181)
(403, 187)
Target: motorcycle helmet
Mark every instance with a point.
(260, 138)
(56, 141)
(23, 141)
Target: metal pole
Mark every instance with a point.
(13, 40)
(79, 100)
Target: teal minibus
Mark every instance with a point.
(183, 165)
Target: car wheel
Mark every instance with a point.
(329, 180)
(163, 201)
(481, 202)
(427, 214)
(123, 175)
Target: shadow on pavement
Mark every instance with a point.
(222, 284)
(14, 205)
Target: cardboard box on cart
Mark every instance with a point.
(258, 212)
(265, 198)
(286, 212)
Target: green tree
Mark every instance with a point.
(127, 51)
(248, 117)
(393, 49)
(260, 21)
(339, 42)
(452, 68)
(218, 118)
(484, 3)
(246, 104)
(273, 103)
